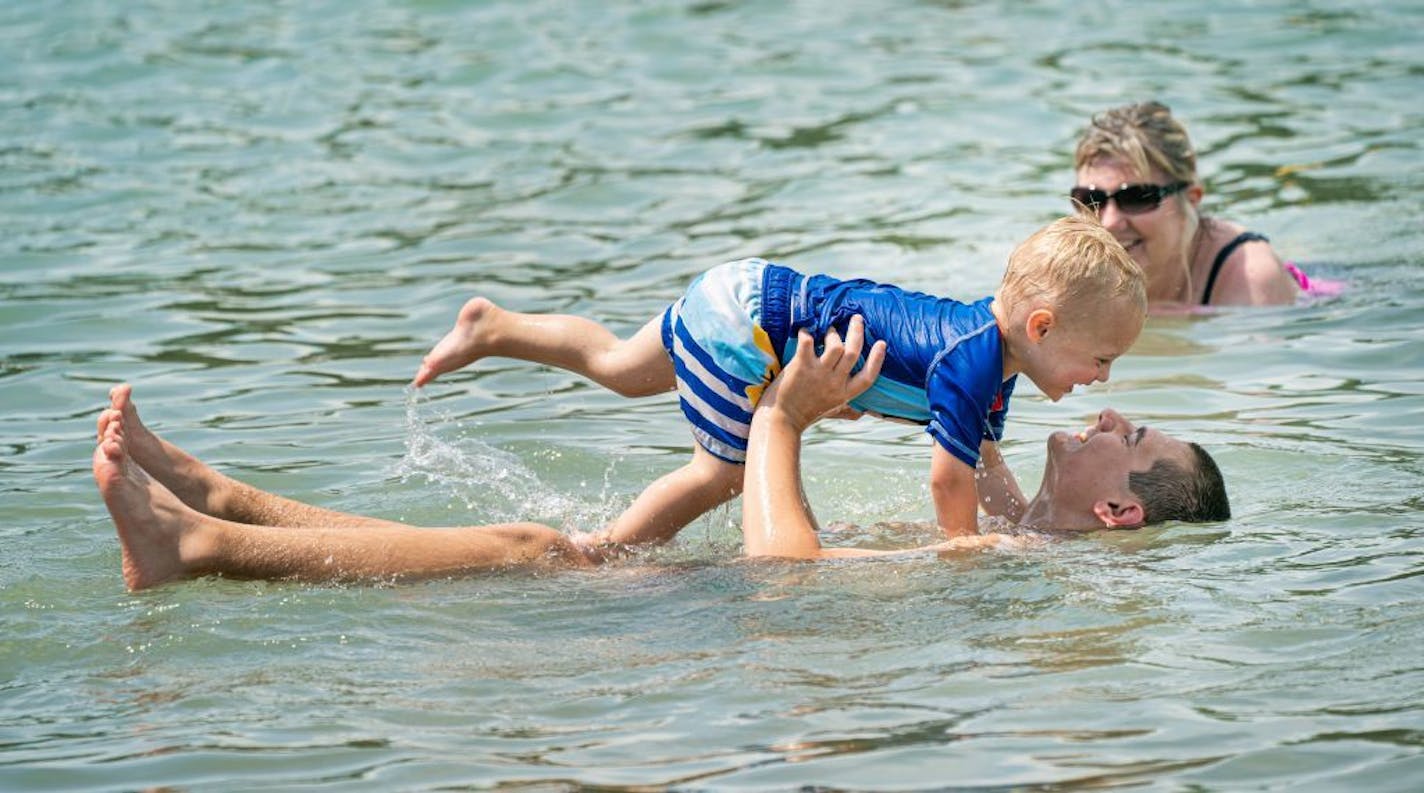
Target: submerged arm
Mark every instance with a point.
(1254, 276)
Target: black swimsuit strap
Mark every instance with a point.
(1223, 255)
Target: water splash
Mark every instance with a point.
(493, 484)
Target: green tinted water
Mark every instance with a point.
(262, 216)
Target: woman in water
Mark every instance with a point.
(1137, 171)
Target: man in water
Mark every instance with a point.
(1110, 475)
(178, 518)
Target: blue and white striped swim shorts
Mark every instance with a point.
(722, 356)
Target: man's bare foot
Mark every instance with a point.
(466, 343)
(151, 522)
(191, 480)
(140, 443)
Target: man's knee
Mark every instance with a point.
(531, 536)
(537, 542)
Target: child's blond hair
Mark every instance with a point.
(1072, 259)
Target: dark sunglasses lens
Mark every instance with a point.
(1090, 199)
(1138, 198)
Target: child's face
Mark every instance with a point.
(1080, 346)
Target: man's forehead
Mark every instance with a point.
(1162, 446)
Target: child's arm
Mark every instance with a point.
(956, 498)
(999, 492)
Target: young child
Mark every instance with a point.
(1071, 301)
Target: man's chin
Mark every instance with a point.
(1061, 441)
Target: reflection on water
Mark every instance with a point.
(263, 216)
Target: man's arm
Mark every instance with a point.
(776, 520)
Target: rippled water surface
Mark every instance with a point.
(262, 215)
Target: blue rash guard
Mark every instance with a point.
(943, 358)
(736, 327)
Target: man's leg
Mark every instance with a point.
(164, 539)
(204, 489)
(634, 367)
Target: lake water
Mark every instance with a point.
(263, 214)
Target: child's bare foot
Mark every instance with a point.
(466, 343)
(152, 523)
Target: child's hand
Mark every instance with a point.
(813, 384)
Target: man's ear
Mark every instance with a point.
(1126, 514)
(1039, 322)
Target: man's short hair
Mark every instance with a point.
(1171, 492)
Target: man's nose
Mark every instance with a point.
(1112, 421)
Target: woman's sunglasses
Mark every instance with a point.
(1132, 199)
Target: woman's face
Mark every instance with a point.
(1159, 239)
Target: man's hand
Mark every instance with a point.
(812, 385)
(843, 413)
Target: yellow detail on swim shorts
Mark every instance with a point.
(773, 367)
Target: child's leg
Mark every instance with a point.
(634, 367)
(673, 501)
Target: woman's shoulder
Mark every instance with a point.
(1220, 233)
(1244, 269)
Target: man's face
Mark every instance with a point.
(1085, 477)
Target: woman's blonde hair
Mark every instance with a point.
(1072, 258)
(1143, 135)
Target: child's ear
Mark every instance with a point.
(1039, 322)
